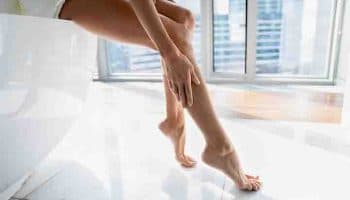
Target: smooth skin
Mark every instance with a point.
(167, 28)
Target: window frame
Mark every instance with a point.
(207, 42)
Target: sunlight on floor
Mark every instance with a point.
(115, 151)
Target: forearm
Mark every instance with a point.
(147, 14)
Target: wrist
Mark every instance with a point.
(170, 55)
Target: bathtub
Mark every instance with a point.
(45, 72)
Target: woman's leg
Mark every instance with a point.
(115, 19)
(219, 152)
(174, 124)
(215, 154)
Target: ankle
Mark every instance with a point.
(219, 148)
(172, 123)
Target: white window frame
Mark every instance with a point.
(250, 76)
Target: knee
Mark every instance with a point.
(183, 38)
(189, 19)
(186, 29)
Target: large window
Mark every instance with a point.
(131, 59)
(290, 40)
(293, 38)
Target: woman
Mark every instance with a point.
(167, 28)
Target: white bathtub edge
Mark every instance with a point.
(11, 190)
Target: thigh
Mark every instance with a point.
(112, 19)
(116, 20)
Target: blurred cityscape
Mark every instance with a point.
(292, 39)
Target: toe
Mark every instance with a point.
(190, 159)
(247, 187)
(184, 162)
(257, 181)
(187, 164)
(250, 186)
(257, 185)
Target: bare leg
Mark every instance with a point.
(174, 125)
(115, 19)
(219, 153)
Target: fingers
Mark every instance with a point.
(171, 86)
(188, 90)
(181, 91)
(194, 77)
(176, 92)
(185, 91)
(174, 88)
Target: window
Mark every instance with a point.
(268, 40)
(293, 37)
(229, 32)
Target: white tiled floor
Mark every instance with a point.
(115, 151)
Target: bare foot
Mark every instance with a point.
(175, 130)
(228, 163)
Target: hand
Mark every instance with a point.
(180, 74)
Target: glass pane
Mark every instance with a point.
(134, 59)
(131, 58)
(293, 37)
(229, 36)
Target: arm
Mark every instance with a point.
(180, 71)
(147, 14)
